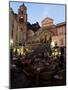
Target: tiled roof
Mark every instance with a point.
(60, 24)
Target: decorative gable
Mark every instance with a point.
(47, 22)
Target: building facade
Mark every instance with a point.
(47, 32)
(18, 26)
(12, 27)
(58, 30)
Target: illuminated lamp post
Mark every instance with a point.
(11, 43)
(55, 50)
(52, 47)
(11, 48)
(52, 44)
(21, 49)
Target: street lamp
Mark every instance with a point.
(11, 42)
(52, 44)
(56, 51)
(11, 48)
(20, 50)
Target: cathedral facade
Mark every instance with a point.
(21, 36)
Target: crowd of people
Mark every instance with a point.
(32, 64)
(37, 59)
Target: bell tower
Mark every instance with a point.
(22, 25)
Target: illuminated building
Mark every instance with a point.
(21, 36)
